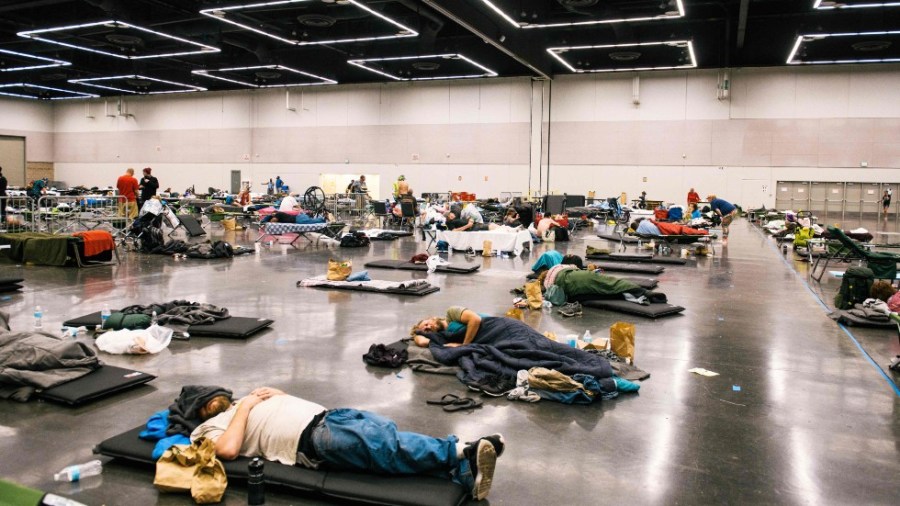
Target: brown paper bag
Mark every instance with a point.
(621, 338)
(175, 469)
(209, 480)
(487, 249)
(533, 292)
(231, 224)
(339, 270)
(515, 313)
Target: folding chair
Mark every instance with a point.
(884, 265)
(408, 214)
(380, 210)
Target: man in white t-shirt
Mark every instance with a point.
(271, 424)
(289, 203)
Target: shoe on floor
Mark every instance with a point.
(571, 309)
(497, 386)
(496, 440)
(482, 461)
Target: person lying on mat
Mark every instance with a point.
(579, 285)
(457, 319)
(466, 224)
(300, 218)
(279, 427)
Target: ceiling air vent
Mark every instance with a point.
(578, 4)
(426, 65)
(124, 40)
(316, 20)
(267, 74)
(624, 55)
(871, 45)
(139, 83)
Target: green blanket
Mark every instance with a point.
(36, 247)
(577, 282)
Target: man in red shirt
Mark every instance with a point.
(128, 188)
(692, 197)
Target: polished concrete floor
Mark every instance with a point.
(798, 414)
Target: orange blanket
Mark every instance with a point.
(96, 242)
(676, 229)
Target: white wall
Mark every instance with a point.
(32, 120)
(813, 123)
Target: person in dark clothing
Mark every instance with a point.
(149, 186)
(3, 184)
(461, 224)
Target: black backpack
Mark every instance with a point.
(562, 233)
(354, 240)
(855, 287)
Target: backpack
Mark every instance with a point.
(152, 239)
(562, 233)
(354, 240)
(855, 287)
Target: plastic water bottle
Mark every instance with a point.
(38, 317)
(256, 486)
(153, 320)
(104, 315)
(546, 306)
(587, 337)
(77, 472)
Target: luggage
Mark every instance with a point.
(855, 287)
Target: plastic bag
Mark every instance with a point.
(621, 338)
(434, 262)
(135, 342)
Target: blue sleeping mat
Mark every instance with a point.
(341, 487)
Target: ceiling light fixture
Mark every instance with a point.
(363, 64)
(558, 52)
(92, 81)
(39, 35)
(221, 14)
(209, 73)
(48, 62)
(801, 39)
(679, 13)
(830, 5)
(74, 94)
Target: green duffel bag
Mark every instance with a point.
(119, 321)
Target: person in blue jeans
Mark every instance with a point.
(723, 208)
(279, 427)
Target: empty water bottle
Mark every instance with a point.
(546, 306)
(153, 320)
(104, 315)
(256, 487)
(587, 337)
(38, 317)
(77, 472)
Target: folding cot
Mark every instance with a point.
(409, 266)
(407, 490)
(412, 287)
(884, 265)
(59, 250)
(271, 229)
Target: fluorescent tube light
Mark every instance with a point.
(92, 81)
(557, 53)
(362, 63)
(47, 62)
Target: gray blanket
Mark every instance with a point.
(37, 360)
(422, 360)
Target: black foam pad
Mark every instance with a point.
(623, 306)
(238, 327)
(409, 266)
(105, 380)
(635, 268)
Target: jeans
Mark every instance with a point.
(353, 440)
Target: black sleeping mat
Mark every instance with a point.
(191, 225)
(238, 327)
(409, 266)
(341, 486)
(635, 268)
(10, 288)
(639, 257)
(11, 281)
(623, 306)
(105, 380)
(418, 290)
(851, 320)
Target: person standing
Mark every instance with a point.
(401, 188)
(692, 197)
(128, 188)
(270, 187)
(279, 184)
(3, 184)
(723, 208)
(885, 201)
(149, 186)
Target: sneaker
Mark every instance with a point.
(495, 439)
(571, 309)
(482, 460)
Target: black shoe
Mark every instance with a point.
(496, 386)
(496, 440)
(482, 460)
